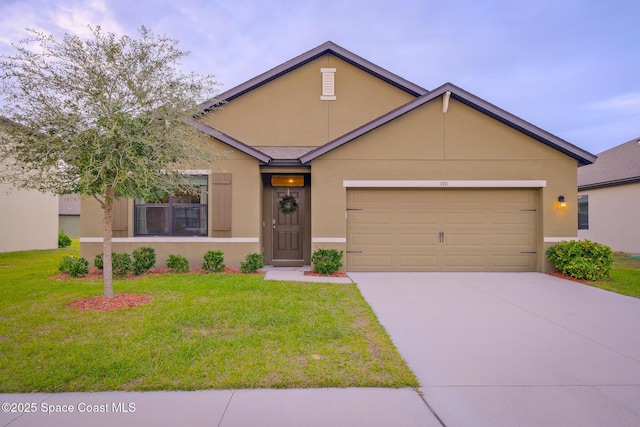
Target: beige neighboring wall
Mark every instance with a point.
(427, 144)
(28, 220)
(614, 215)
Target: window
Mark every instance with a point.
(175, 215)
(583, 212)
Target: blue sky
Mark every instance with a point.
(571, 67)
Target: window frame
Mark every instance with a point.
(583, 212)
(173, 205)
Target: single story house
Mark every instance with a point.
(329, 150)
(609, 198)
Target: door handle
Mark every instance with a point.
(441, 236)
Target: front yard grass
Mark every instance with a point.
(625, 276)
(200, 332)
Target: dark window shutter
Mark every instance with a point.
(221, 204)
(120, 217)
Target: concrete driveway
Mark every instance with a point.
(507, 349)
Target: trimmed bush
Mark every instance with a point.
(74, 266)
(178, 263)
(326, 261)
(582, 259)
(63, 240)
(214, 261)
(143, 260)
(122, 264)
(252, 263)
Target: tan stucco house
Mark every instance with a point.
(609, 198)
(398, 177)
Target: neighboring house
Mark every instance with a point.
(398, 177)
(609, 198)
(28, 219)
(69, 214)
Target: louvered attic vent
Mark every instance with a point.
(328, 84)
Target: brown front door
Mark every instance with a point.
(288, 227)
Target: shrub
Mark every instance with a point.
(214, 261)
(252, 263)
(178, 263)
(74, 266)
(582, 259)
(143, 260)
(122, 264)
(63, 240)
(326, 261)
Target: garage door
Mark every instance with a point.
(441, 230)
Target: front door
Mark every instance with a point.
(288, 226)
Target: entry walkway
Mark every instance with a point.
(514, 349)
(298, 274)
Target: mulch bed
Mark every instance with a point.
(94, 273)
(559, 274)
(118, 302)
(336, 274)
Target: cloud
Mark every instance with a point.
(629, 102)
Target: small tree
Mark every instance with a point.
(102, 117)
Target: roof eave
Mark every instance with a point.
(614, 183)
(583, 157)
(208, 130)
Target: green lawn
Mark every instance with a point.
(625, 276)
(200, 332)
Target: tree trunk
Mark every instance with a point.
(107, 272)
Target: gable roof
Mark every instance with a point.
(325, 48)
(583, 157)
(615, 166)
(293, 157)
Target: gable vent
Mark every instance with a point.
(328, 84)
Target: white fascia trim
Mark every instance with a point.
(559, 239)
(444, 184)
(328, 240)
(173, 240)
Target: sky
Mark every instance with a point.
(570, 67)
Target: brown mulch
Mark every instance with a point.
(118, 302)
(336, 274)
(559, 274)
(94, 273)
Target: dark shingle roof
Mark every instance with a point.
(272, 156)
(618, 165)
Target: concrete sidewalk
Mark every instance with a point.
(352, 407)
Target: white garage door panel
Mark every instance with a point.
(441, 229)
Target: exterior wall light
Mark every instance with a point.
(562, 202)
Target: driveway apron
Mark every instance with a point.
(505, 349)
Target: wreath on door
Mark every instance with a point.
(288, 204)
